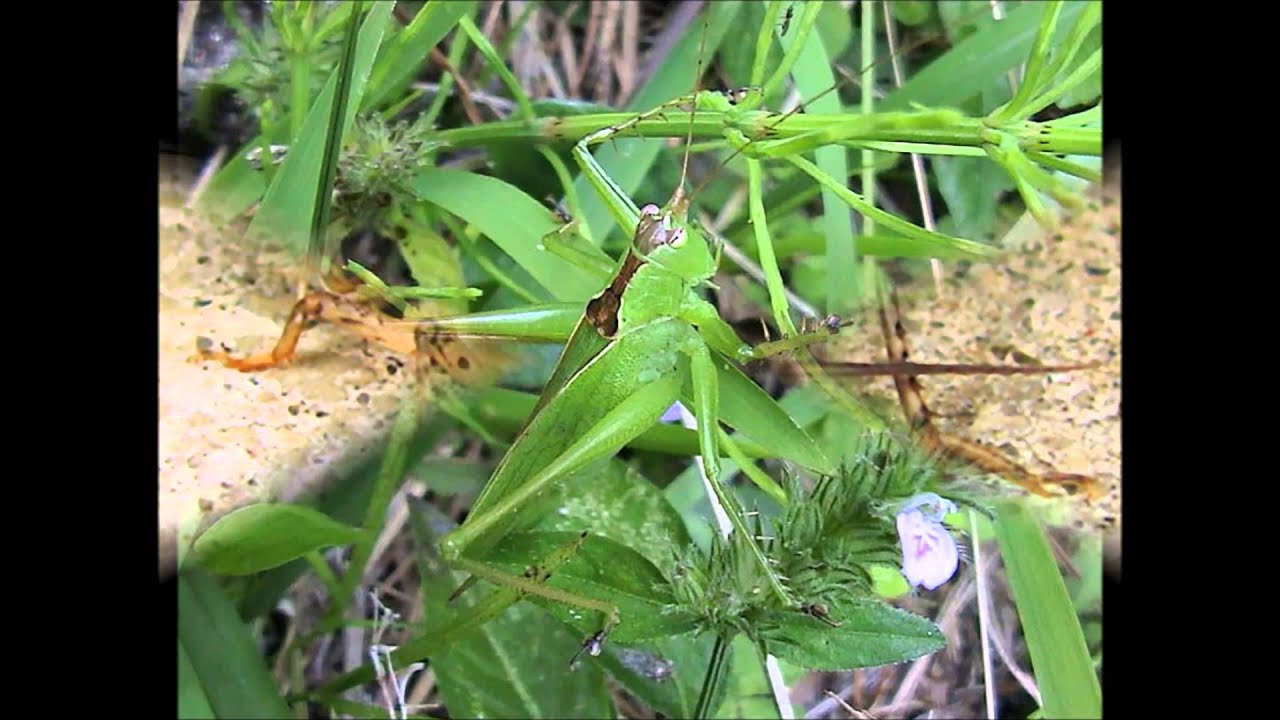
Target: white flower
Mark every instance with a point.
(929, 553)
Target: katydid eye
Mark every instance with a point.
(650, 209)
(677, 237)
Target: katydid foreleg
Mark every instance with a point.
(706, 395)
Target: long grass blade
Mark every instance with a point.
(332, 148)
(291, 199)
(1064, 671)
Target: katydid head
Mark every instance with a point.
(747, 96)
(666, 236)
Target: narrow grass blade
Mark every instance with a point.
(222, 653)
(290, 202)
(192, 702)
(1059, 656)
(518, 229)
(332, 148)
(402, 58)
(893, 223)
(713, 683)
(813, 75)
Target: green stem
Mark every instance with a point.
(764, 247)
(394, 464)
(497, 63)
(868, 156)
(797, 134)
(714, 677)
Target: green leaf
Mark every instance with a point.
(962, 18)
(1089, 89)
(518, 229)
(516, 665)
(871, 633)
(968, 66)
(747, 408)
(643, 670)
(403, 57)
(736, 57)
(912, 12)
(602, 569)
(192, 702)
(267, 535)
(621, 504)
(970, 187)
(346, 502)
(888, 582)
(432, 261)
(223, 656)
(1059, 656)
(835, 27)
(807, 404)
(747, 690)
(237, 186)
(453, 476)
(746, 686)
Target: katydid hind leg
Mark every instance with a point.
(533, 581)
(341, 310)
(969, 452)
(285, 348)
(706, 394)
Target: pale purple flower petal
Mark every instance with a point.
(933, 506)
(673, 413)
(929, 553)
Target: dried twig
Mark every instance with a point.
(464, 88)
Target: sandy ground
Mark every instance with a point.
(228, 438)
